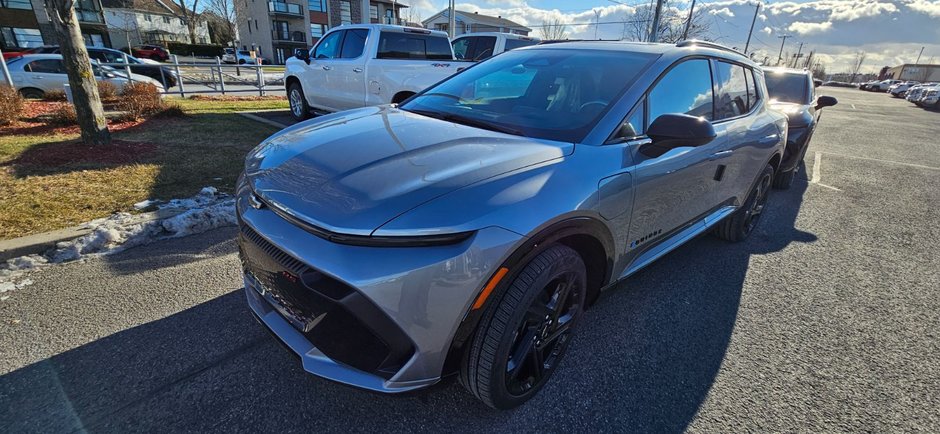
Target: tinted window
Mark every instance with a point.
(545, 93)
(462, 47)
(512, 44)
(686, 88)
(395, 45)
(48, 66)
(328, 48)
(732, 91)
(484, 47)
(786, 87)
(752, 96)
(354, 43)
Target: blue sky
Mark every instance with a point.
(889, 31)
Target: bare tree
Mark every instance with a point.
(91, 120)
(221, 15)
(671, 25)
(857, 64)
(554, 30)
(412, 17)
(189, 16)
(128, 26)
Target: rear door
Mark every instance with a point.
(677, 187)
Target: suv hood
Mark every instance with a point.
(354, 171)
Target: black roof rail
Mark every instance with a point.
(694, 42)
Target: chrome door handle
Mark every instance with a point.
(327, 68)
(720, 155)
(357, 69)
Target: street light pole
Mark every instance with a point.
(597, 21)
(780, 55)
(452, 20)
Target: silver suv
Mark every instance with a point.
(466, 230)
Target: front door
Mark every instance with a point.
(46, 74)
(319, 92)
(677, 187)
(347, 76)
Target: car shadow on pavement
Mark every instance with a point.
(644, 359)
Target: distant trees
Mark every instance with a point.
(189, 17)
(857, 64)
(671, 24)
(553, 30)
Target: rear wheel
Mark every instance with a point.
(523, 335)
(299, 109)
(741, 224)
(31, 93)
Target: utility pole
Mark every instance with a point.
(917, 62)
(452, 22)
(798, 55)
(780, 55)
(685, 34)
(366, 12)
(597, 21)
(749, 32)
(654, 32)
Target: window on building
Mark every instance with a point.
(374, 12)
(345, 12)
(16, 4)
(93, 40)
(685, 89)
(732, 91)
(317, 30)
(148, 17)
(249, 27)
(166, 20)
(316, 5)
(13, 37)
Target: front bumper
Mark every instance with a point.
(402, 297)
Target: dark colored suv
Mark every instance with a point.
(793, 92)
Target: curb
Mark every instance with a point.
(41, 243)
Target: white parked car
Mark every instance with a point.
(915, 93)
(35, 74)
(355, 66)
(241, 57)
(882, 86)
(483, 45)
(898, 90)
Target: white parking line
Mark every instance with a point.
(919, 166)
(817, 172)
(853, 106)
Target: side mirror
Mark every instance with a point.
(670, 131)
(302, 54)
(825, 101)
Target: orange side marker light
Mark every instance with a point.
(488, 289)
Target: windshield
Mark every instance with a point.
(554, 94)
(785, 87)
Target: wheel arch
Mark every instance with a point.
(586, 235)
(26, 89)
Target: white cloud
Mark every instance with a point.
(928, 7)
(809, 28)
(767, 30)
(725, 12)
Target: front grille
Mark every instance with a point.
(334, 317)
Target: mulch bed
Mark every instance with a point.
(31, 122)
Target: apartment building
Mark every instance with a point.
(135, 22)
(25, 24)
(275, 28)
(472, 22)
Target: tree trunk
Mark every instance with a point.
(91, 120)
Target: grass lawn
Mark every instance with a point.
(50, 180)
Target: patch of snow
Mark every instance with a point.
(205, 211)
(145, 204)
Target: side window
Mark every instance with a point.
(685, 89)
(47, 66)
(401, 45)
(752, 96)
(462, 47)
(512, 44)
(732, 91)
(354, 43)
(328, 48)
(484, 47)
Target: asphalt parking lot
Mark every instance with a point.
(826, 320)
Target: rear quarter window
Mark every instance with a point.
(401, 45)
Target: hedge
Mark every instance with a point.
(202, 50)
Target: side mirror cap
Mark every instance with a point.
(302, 54)
(671, 131)
(825, 101)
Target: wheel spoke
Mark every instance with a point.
(538, 311)
(562, 329)
(537, 364)
(522, 350)
(561, 299)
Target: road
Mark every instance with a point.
(825, 320)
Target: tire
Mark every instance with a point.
(31, 93)
(741, 224)
(299, 110)
(526, 327)
(241, 61)
(784, 180)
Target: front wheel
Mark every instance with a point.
(523, 334)
(741, 224)
(299, 109)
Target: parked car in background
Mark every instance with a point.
(228, 55)
(466, 232)
(483, 45)
(242, 57)
(35, 74)
(154, 52)
(931, 98)
(793, 93)
(882, 86)
(837, 84)
(916, 92)
(356, 66)
(166, 76)
(865, 85)
(898, 90)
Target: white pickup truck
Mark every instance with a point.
(483, 45)
(356, 66)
